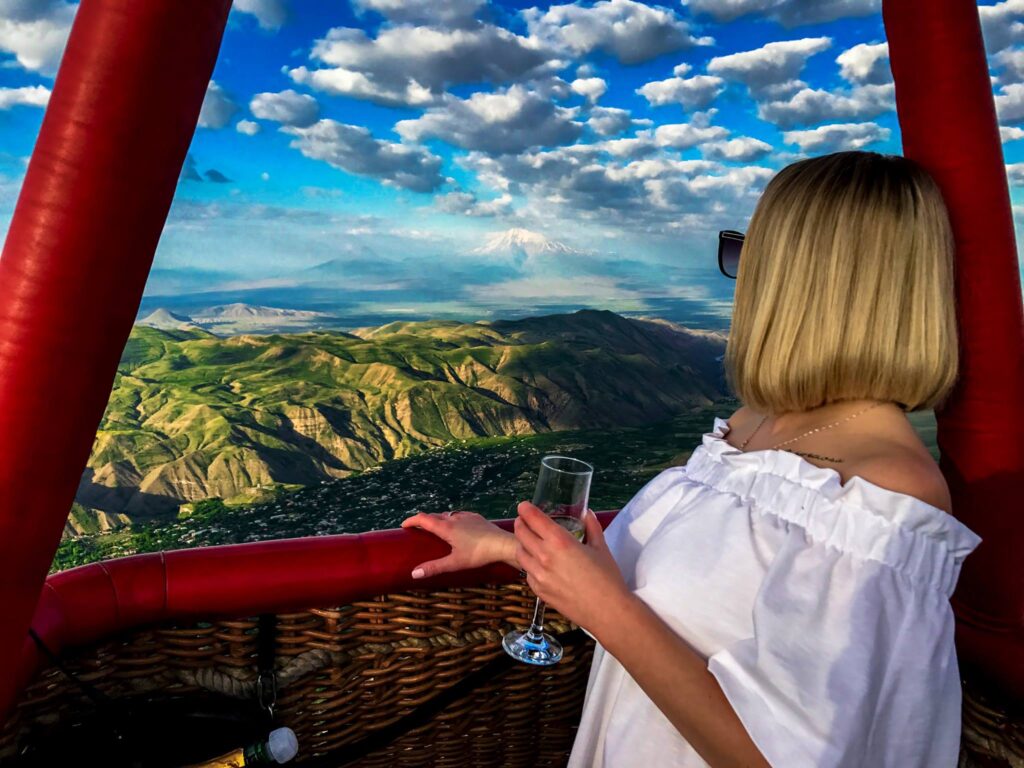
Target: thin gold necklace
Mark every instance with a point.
(809, 432)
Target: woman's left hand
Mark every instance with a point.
(580, 581)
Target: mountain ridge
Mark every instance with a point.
(193, 416)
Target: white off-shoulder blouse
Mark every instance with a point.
(822, 609)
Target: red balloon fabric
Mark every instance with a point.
(948, 122)
(78, 252)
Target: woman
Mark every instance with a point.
(783, 599)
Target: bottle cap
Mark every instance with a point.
(283, 745)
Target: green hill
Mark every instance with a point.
(193, 416)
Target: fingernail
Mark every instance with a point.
(418, 573)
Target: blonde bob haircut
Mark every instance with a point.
(845, 289)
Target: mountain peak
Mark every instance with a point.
(522, 241)
(165, 319)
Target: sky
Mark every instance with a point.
(358, 157)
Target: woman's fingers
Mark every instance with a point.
(594, 531)
(537, 521)
(527, 539)
(434, 567)
(431, 522)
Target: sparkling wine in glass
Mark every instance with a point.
(563, 489)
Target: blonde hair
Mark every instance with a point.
(845, 288)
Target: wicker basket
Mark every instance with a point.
(348, 672)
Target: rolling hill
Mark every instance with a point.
(193, 416)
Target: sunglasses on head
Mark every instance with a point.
(730, 243)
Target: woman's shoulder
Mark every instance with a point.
(892, 457)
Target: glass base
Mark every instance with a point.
(541, 649)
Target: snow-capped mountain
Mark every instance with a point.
(522, 244)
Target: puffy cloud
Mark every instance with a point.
(35, 32)
(29, 95)
(448, 12)
(287, 107)
(1001, 24)
(840, 136)
(790, 13)
(412, 66)
(247, 127)
(654, 192)
(1011, 65)
(766, 68)
(691, 92)
(742, 149)
(353, 149)
(270, 14)
(217, 109)
(507, 121)
(593, 88)
(1015, 173)
(1010, 134)
(865, 64)
(686, 135)
(1010, 103)
(810, 106)
(467, 204)
(632, 32)
(609, 121)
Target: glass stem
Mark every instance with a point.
(537, 625)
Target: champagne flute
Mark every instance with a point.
(563, 489)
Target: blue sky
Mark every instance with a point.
(359, 157)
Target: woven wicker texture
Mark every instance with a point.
(346, 672)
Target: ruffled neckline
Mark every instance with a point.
(789, 486)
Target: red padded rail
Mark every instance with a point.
(79, 249)
(94, 602)
(948, 121)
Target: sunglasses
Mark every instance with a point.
(730, 243)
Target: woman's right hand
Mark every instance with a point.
(474, 541)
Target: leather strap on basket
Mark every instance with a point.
(266, 680)
(379, 739)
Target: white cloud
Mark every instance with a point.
(764, 69)
(593, 88)
(609, 121)
(1010, 103)
(217, 109)
(686, 135)
(247, 127)
(865, 64)
(265, 176)
(790, 13)
(467, 204)
(810, 106)
(353, 149)
(29, 95)
(287, 107)
(840, 136)
(270, 14)
(1007, 133)
(507, 121)
(691, 92)
(409, 65)
(423, 11)
(742, 149)
(1011, 65)
(632, 32)
(35, 32)
(1001, 24)
(1015, 173)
